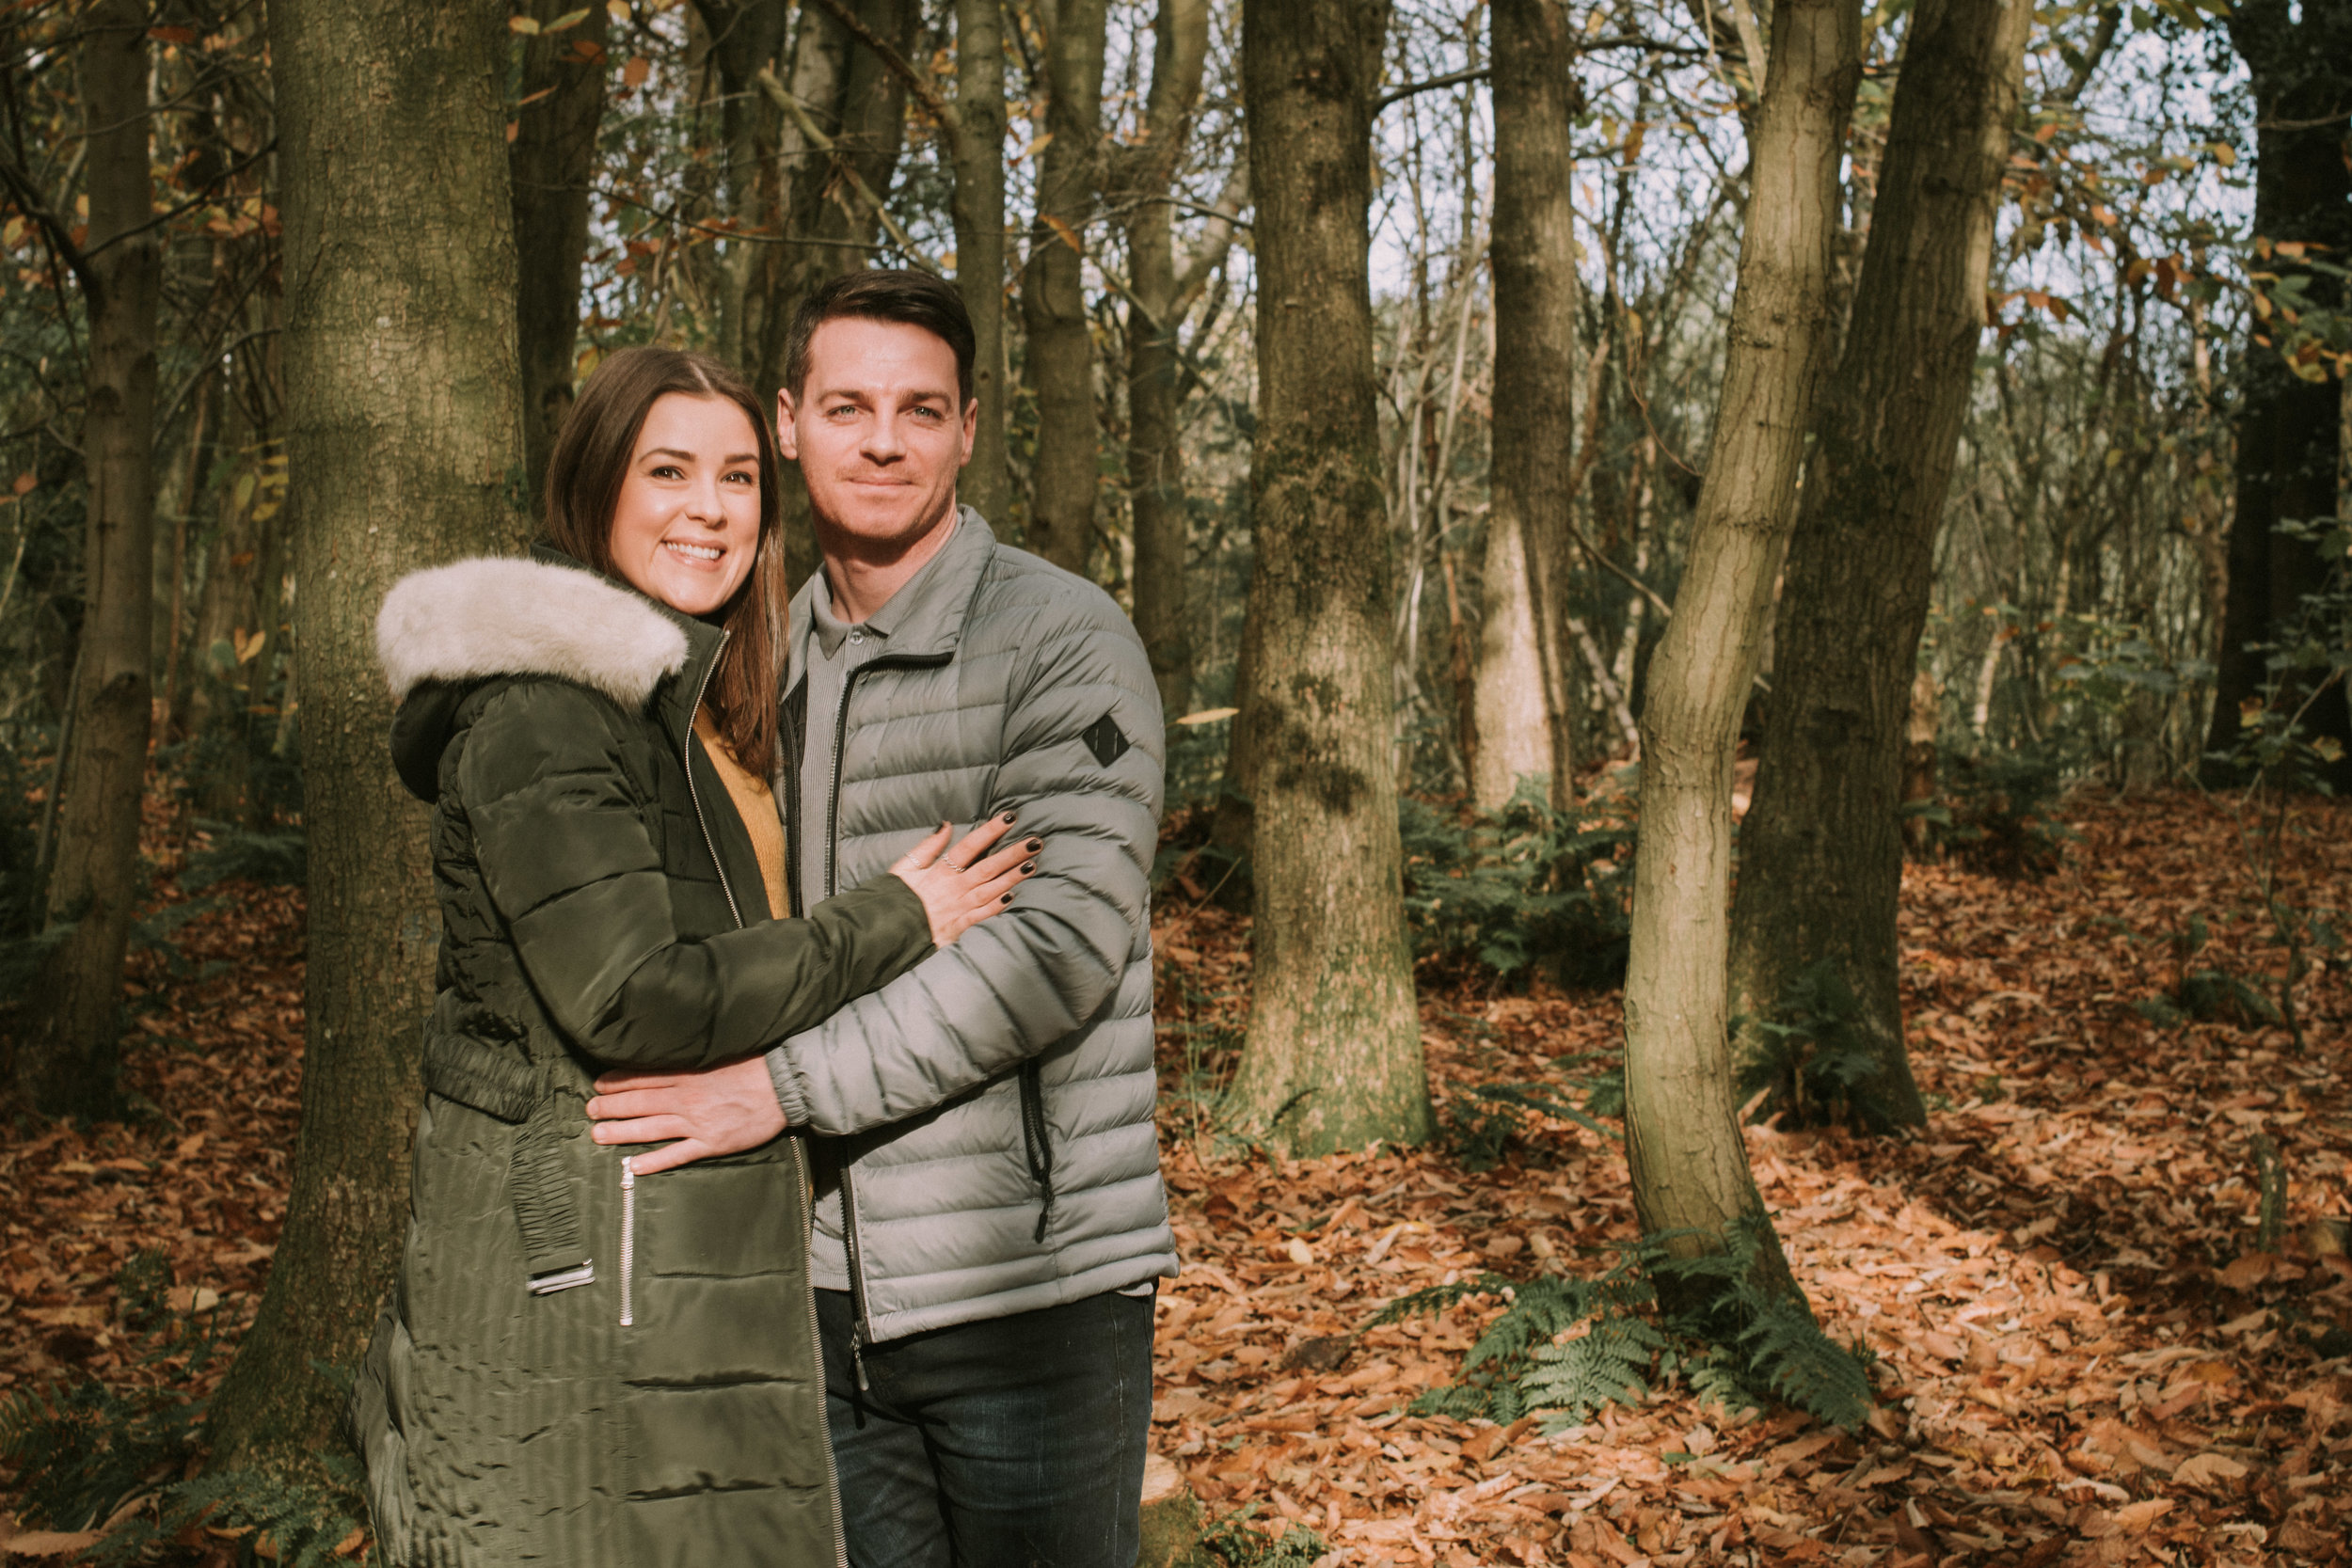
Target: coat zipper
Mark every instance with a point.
(629, 1172)
(628, 1236)
(799, 1156)
(833, 826)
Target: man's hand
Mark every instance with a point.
(720, 1110)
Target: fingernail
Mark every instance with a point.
(1026, 869)
(1009, 816)
(1035, 845)
(1008, 898)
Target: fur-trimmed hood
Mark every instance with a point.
(499, 617)
(445, 630)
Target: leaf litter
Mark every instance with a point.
(2082, 1355)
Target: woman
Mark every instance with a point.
(582, 1366)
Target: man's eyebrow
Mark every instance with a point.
(855, 395)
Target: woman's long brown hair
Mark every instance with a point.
(584, 474)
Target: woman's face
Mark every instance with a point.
(688, 522)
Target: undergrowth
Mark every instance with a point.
(1519, 890)
(92, 1455)
(1564, 1347)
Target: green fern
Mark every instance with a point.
(1232, 1544)
(1609, 1365)
(304, 1516)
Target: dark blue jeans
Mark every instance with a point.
(1013, 1443)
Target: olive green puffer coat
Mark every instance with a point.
(580, 1367)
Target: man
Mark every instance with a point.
(989, 1214)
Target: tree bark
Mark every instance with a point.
(405, 409)
(1156, 461)
(1691, 1178)
(1060, 363)
(1822, 849)
(1526, 703)
(979, 145)
(1333, 1057)
(67, 1042)
(2290, 431)
(550, 163)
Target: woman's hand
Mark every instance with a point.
(959, 887)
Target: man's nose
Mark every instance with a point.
(885, 441)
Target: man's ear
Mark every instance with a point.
(971, 430)
(787, 438)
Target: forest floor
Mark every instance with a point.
(2082, 1354)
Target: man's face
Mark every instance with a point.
(879, 433)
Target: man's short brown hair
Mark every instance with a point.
(882, 294)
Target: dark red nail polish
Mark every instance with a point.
(1009, 816)
(1008, 898)
(1026, 869)
(1035, 845)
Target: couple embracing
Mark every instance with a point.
(787, 1190)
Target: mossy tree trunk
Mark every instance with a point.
(1822, 849)
(1063, 476)
(551, 162)
(405, 436)
(67, 1042)
(1333, 1057)
(1526, 712)
(1691, 1178)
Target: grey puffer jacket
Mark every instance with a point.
(990, 1112)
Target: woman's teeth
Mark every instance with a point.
(696, 552)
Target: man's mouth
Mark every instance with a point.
(693, 552)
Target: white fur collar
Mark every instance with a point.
(492, 616)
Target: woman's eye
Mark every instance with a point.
(743, 475)
(666, 470)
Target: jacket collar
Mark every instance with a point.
(676, 699)
(924, 619)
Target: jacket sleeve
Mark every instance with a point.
(561, 838)
(1013, 985)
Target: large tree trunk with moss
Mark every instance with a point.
(978, 143)
(551, 162)
(1063, 477)
(404, 399)
(1822, 849)
(1692, 1185)
(1155, 460)
(1333, 1058)
(1526, 703)
(66, 1044)
(2290, 430)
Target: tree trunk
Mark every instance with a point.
(979, 217)
(1691, 1177)
(551, 163)
(405, 404)
(2290, 430)
(66, 1043)
(1526, 696)
(1334, 1055)
(1822, 849)
(860, 103)
(1060, 363)
(1156, 461)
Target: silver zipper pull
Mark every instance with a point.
(628, 1235)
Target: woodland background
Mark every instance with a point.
(1554, 454)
